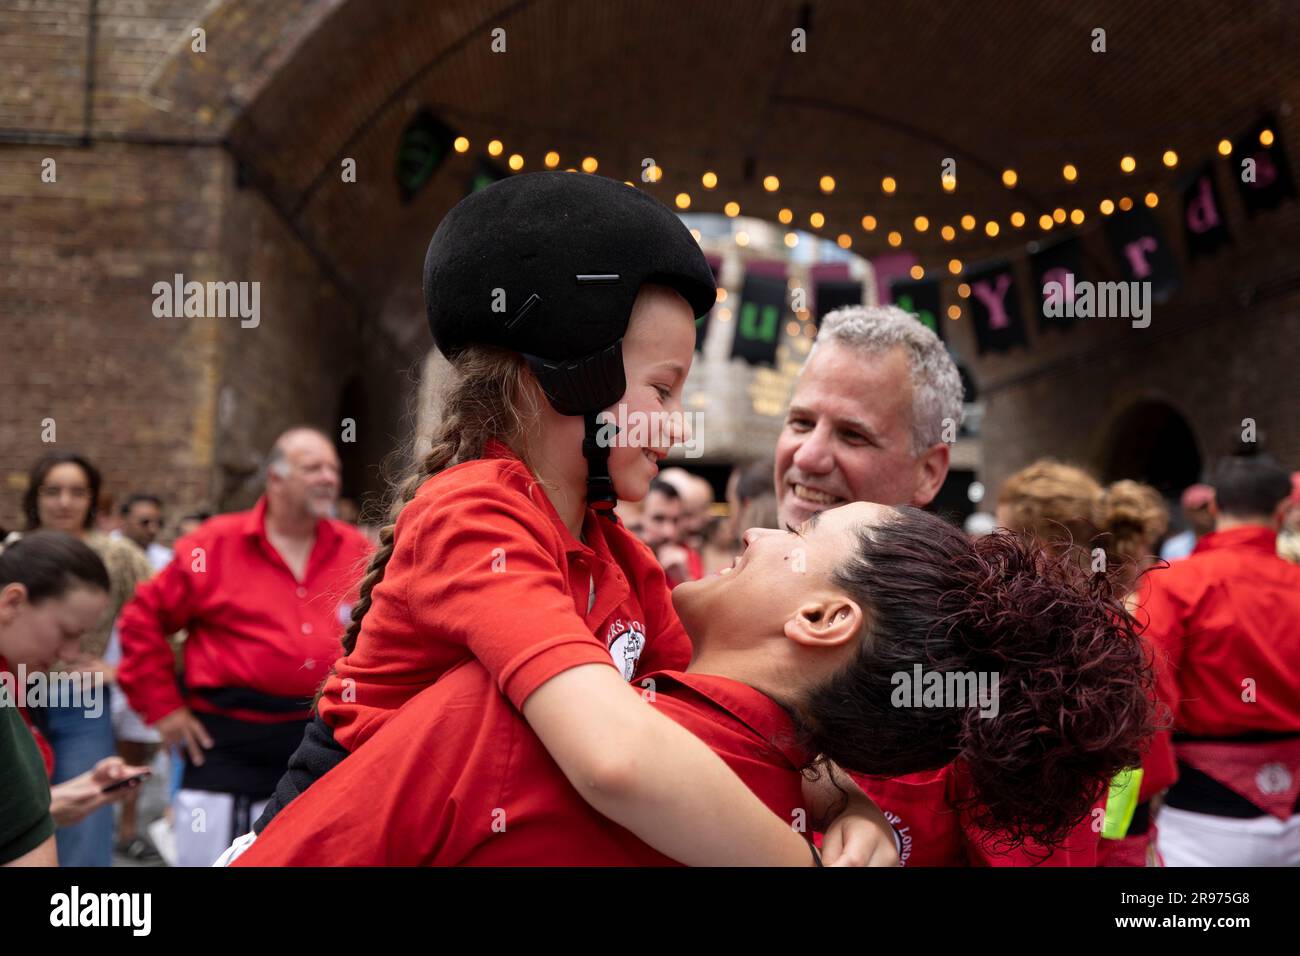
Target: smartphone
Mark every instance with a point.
(127, 782)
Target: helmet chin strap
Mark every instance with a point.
(585, 386)
(600, 486)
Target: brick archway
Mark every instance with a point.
(1151, 441)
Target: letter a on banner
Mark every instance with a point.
(1057, 271)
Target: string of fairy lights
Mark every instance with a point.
(869, 223)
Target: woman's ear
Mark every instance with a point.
(831, 622)
(12, 597)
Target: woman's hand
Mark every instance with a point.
(74, 800)
(860, 836)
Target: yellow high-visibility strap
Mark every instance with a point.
(1121, 802)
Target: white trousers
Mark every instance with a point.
(206, 823)
(1201, 839)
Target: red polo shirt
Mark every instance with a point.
(457, 777)
(483, 568)
(1159, 767)
(932, 833)
(1227, 614)
(252, 625)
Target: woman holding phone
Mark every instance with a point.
(53, 588)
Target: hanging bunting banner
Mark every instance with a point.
(1262, 172)
(485, 174)
(702, 323)
(1057, 271)
(892, 265)
(921, 298)
(1142, 251)
(833, 289)
(761, 315)
(425, 143)
(995, 304)
(1204, 228)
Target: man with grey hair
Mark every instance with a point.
(868, 420)
(869, 415)
(264, 595)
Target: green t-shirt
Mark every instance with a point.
(25, 821)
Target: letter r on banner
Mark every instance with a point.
(1137, 252)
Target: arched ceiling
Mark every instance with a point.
(882, 90)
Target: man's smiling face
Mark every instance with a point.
(848, 434)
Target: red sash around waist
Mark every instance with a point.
(1266, 773)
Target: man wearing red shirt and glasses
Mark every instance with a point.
(1227, 620)
(265, 595)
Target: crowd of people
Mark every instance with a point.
(470, 683)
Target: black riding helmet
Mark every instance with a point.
(549, 265)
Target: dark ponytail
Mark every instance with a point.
(1073, 679)
(49, 564)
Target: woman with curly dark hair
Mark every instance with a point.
(879, 638)
(1068, 511)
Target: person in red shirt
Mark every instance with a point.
(797, 651)
(264, 595)
(1227, 622)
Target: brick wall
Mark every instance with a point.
(185, 407)
(81, 345)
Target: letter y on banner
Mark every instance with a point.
(995, 304)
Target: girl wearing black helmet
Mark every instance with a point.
(556, 297)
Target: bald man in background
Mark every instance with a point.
(265, 596)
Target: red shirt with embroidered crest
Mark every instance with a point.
(251, 624)
(483, 568)
(457, 777)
